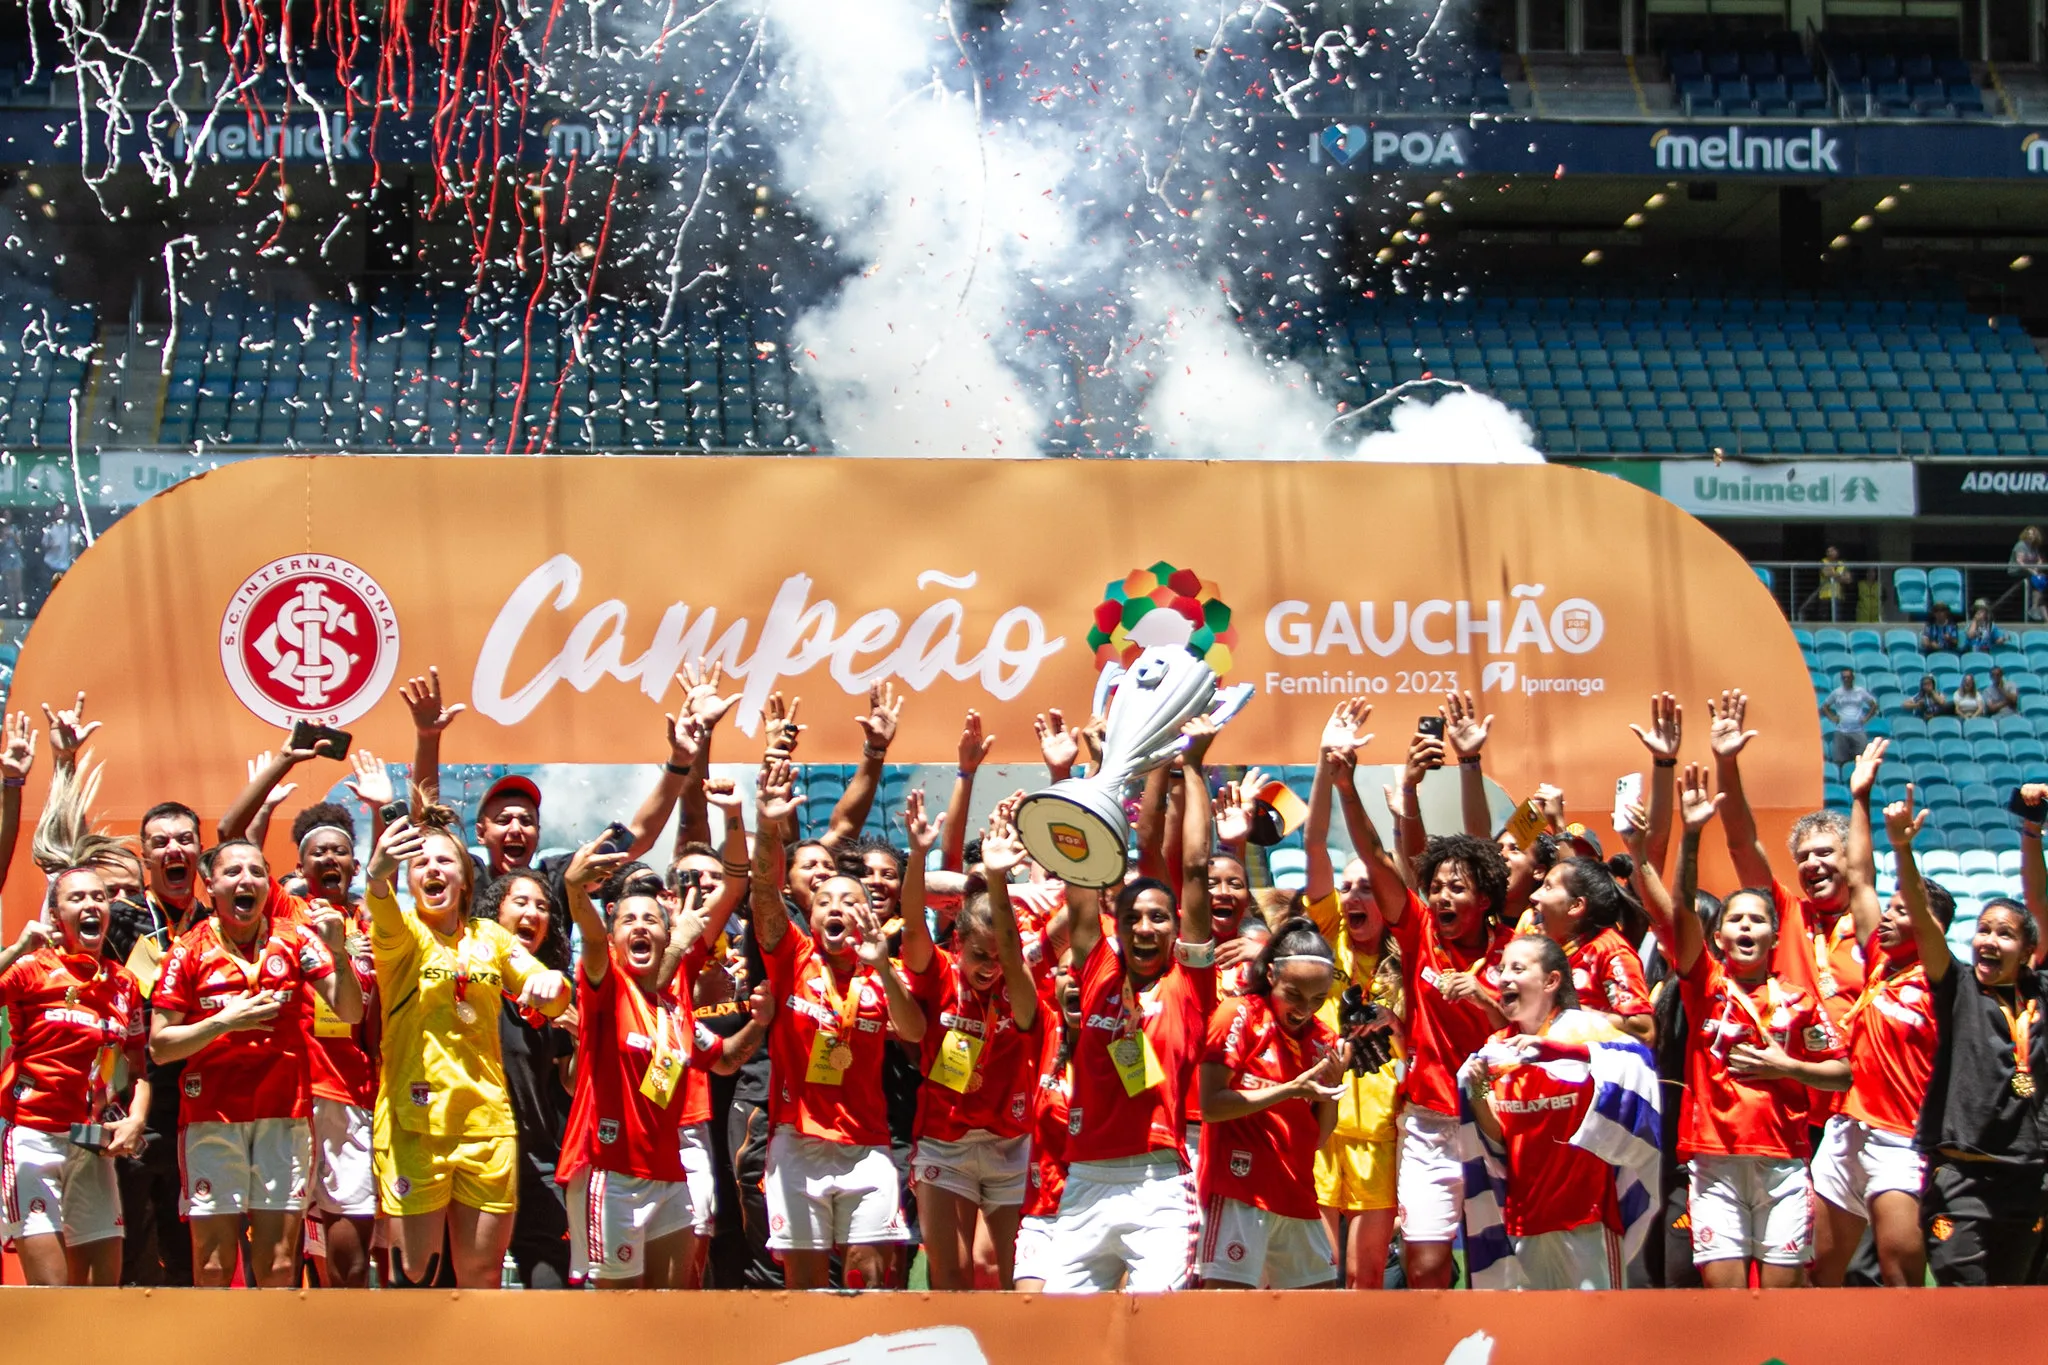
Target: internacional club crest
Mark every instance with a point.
(309, 637)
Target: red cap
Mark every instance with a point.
(512, 784)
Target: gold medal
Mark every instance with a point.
(974, 1082)
(465, 1013)
(2023, 1084)
(840, 1057)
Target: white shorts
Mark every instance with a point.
(344, 1183)
(1132, 1220)
(613, 1217)
(1431, 1183)
(1857, 1162)
(1034, 1248)
(1263, 1250)
(1751, 1208)
(826, 1194)
(1584, 1257)
(228, 1169)
(982, 1168)
(48, 1186)
(702, 1181)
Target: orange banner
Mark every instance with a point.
(560, 596)
(1410, 1327)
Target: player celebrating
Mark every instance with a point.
(1272, 1072)
(980, 1062)
(235, 1004)
(1579, 904)
(1128, 1211)
(622, 1160)
(1757, 1044)
(70, 1015)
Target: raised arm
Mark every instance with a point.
(1336, 761)
(1738, 822)
(339, 988)
(586, 869)
(878, 730)
(17, 757)
(266, 776)
(974, 747)
(1667, 729)
(1196, 923)
(700, 695)
(906, 1016)
(400, 841)
(1901, 824)
(646, 823)
(1389, 887)
(1677, 919)
(1150, 826)
(774, 803)
(1466, 734)
(1411, 835)
(69, 734)
(429, 718)
(1058, 742)
(1862, 861)
(1001, 852)
(922, 835)
(371, 788)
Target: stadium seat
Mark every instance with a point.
(1946, 586)
(1944, 727)
(1909, 587)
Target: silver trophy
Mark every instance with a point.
(1077, 829)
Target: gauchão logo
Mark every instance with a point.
(1162, 605)
(309, 637)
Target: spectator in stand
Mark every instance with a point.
(1850, 707)
(2030, 562)
(1930, 701)
(1836, 580)
(1870, 598)
(2000, 696)
(1940, 632)
(1982, 633)
(13, 569)
(1968, 703)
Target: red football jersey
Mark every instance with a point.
(1231, 981)
(67, 1014)
(345, 1055)
(254, 1073)
(1441, 1033)
(1107, 1121)
(1730, 1115)
(1267, 1159)
(1609, 976)
(612, 1125)
(854, 1112)
(1818, 953)
(1035, 904)
(1050, 1109)
(1892, 1036)
(1005, 1073)
(1553, 1186)
(696, 1080)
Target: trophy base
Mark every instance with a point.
(1077, 832)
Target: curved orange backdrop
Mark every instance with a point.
(559, 595)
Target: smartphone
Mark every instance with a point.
(1432, 726)
(688, 880)
(1628, 791)
(323, 740)
(391, 812)
(615, 839)
(2035, 814)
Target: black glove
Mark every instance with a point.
(1370, 1030)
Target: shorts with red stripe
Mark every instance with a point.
(1132, 1219)
(1259, 1249)
(613, 1217)
(48, 1186)
(1584, 1257)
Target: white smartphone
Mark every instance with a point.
(1628, 791)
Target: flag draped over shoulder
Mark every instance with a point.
(1621, 1127)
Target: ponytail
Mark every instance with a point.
(1297, 938)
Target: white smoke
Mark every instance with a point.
(1462, 427)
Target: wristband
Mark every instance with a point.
(1471, 762)
(964, 774)
(1196, 955)
(1664, 762)
(870, 751)
(673, 771)
(14, 783)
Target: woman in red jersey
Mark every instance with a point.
(1051, 1108)
(70, 1016)
(1128, 1212)
(1579, 905)
(1562, 1213)
(1758, 1046)
(1271, 1075)
(829, 1181)
(980, 1060)
(632, 1222)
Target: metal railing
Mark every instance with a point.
(1797, 585)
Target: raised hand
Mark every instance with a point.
(372, 784)
(1059, 743)
(277, 794)
(1697, 807)
(782, 731)
(873, 947)
(1634, 829)
(885, 708)
(974, 745)
(1092, 735)
(17, 745)
(68, 731)
(1667, 727)
(921, 831)
(1462, 726)
(761, 1004)
(588, 867)
(1341, 741)
(1001, 848)
(1233, 817)
(685, 739)
(1726, 736)
(701, 701)
(776, 798)
(1863, 776)
(1425, 755)
(1902, 822)
(687, 922)
(1550, 800)
(724, 793)
(1201, 732)
(402, 840)
(34, 935)
(326, 921)
(422, 696)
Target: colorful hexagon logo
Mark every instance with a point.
(1162, 605)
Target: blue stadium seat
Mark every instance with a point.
(1909, 586)
(1944, 727)
(1946, 586)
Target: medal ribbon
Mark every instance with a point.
(248, 973)
(847, 1007)
(653, 1018)
(1740, 996)
(1875, 983)
(988, 1018)
(2020, 1025)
